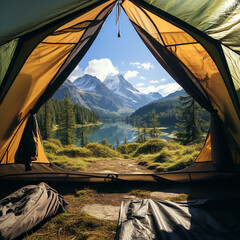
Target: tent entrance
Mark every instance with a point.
(122, 126)
(199, 60)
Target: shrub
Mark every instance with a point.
(151, 146)
(50, 147)
(179, 165)
(99, 150)
(74, 151)
(128, 148)
(55, 141)
(163, 156)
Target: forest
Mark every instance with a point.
(167, 110)
(54, 112)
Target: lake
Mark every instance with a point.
(111, 130)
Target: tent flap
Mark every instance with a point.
(28, 147)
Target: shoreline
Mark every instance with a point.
(89, 124)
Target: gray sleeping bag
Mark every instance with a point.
(191, 220)
(27, 207)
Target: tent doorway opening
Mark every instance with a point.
(42, 49)
(120, 112)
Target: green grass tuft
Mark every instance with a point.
(99, 150)
(151, 146)
(55, 141)
(128, 148)
(74, 151)
(50, 147)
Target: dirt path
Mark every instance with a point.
(117, 165)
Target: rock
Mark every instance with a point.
(102, 212)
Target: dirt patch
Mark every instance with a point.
(117, 166)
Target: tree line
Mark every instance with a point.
(166, 110)
(65, 115)
(191, 121)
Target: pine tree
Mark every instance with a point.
(139, 134)
(154, 133)
(45, 120)
(67, 125)
(118, 142)
(188, 115)
(125, 140)
(83, 137)
(105, 143)
(144, 132)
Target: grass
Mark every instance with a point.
(155, 154)
(75, 223)
(128, 148)
(73, 151)
(172, 156)
(140, 193)
(76, 158)
(85, 194)
(75, 226)
(151, 146)
(99, 150)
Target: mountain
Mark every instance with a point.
(105, 106)
(90, 83)
(165, 108)
(175, 94)
(155, 95)
(119, 85)
(115, 97)
(72, 91)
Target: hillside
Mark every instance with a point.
(165, 108)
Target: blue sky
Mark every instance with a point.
(127, 55)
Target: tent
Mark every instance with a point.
(41, 42)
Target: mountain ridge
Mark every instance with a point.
(114, 97)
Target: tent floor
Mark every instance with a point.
(90, 203)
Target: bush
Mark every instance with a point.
(55, 141)
(50, 147)
(163, 156)
(74, 151)
(151, 146)
(128, 148)
(99, 150)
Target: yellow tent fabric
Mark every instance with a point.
(39, 50)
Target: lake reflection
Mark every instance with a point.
(111, 130)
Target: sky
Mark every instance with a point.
(110, 55)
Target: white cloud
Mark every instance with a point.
(77, 72)
(153, 81)
(163, 80)
(143, 78)
(101, 68)
(130, 74)
(145, 65)
(140, 84)
(165, 89)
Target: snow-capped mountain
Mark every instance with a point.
(72, 91)
(119, 85)
(114, 97)
(90, 83)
